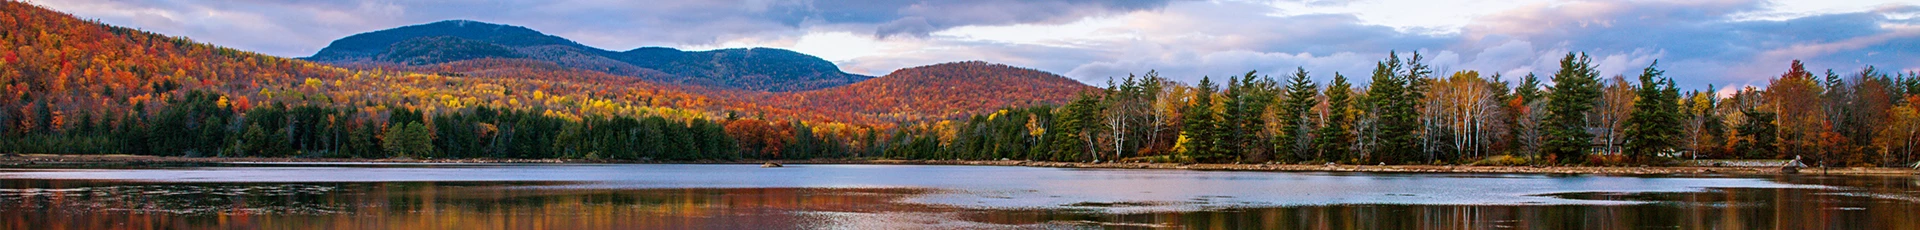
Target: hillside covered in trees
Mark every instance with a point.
(77, 86)
(755, 69)
(944, 91)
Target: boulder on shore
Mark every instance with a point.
(771, 165)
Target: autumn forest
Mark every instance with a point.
(75, 86)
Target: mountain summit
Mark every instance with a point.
(756, 69)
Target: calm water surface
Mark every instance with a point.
(593, 196)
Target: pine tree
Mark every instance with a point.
(1295, 123)
(1525, 127)
(1241, 120)
(363, 143)
(1412, 105)
(1575, 89)
(1335, 135)
(1198, 134)
(1529, 89)
(1759, 136)
(1392, 132)
(42, 117)
(408, 140)
(1655, 123)
(805, 145)
(1075, 131)
(651, 140)
(264, 142)
(1394, 98)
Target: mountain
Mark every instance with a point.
(756, 69)
(766, 69)
(377, 43)
(441, 49)
(948, 90)
(77, 71)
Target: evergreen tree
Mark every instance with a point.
(1655, 123)
(212, 136)
(1525, 95)
(408, 140)
(1575, 89)
(1199, 139)
(42, 117)
(1529, 89)
(85, 126)
(715, 144)
(1242, 122)
(1295, 121)
(1075, 133)
(259, 141)
(1759, 136)
(1418, 81)
(805, 145)
(651, 141)
(1335, 135)
(364, 143)
(1394, 99)
(131, 135)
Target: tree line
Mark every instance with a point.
(206, 124)
(1408, 114)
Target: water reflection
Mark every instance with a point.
(69, 203)
(44, 204)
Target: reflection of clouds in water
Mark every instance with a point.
(994, 187)
(824, 196)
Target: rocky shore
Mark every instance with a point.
(83, 161)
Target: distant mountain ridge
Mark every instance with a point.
(756, 69)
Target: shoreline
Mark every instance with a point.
(75, 160)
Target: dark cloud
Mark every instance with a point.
(917, 18)
(917, 26)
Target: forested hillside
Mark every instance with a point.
(755, 69)
(945, 91)
(76, 86)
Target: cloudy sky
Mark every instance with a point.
(1700, 42)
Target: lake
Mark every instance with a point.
(674, 196)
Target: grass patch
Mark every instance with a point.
(1502, 160)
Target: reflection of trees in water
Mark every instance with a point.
(40, 204)
(58, 205)
(1848, 208)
